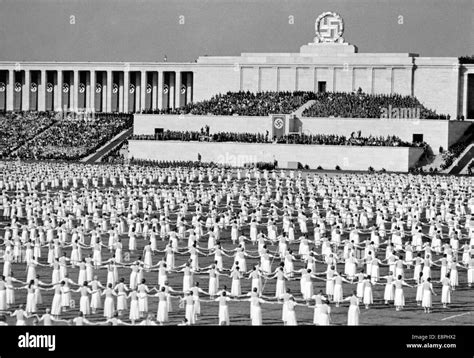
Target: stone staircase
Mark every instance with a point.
(461, 162)
(300, 110)
(109, 146)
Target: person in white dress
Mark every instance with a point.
(426, 301)
(354, 312)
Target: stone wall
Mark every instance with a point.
(398, 159)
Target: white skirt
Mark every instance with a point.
(109, 307)
(368, 299)
(96, 302)
(3, 300)
(236, 289)
(338, 293)
(399, 297)
(445, 295)
(353, 315)
(162, 315)
(323, 319)
(360, 289)
(280, 288)
(134, 313)
(223, 314)
(190, 314)
(30, 303)
(143, 302)
(426, 299)
(213, 286)
(389, 293)
(330, 287)
(84, 305)
(291, 318)
(56, 305)
(256, 315)
(121, 302)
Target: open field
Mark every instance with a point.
(458, 313)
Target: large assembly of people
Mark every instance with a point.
(356, 104)
(302, 138)
(125, 245)
(58, 136)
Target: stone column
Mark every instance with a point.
(391, 79)
(178, 89)
(189, 89)
(58, 91)
(109, 91)
(104, 91)
(126, 85)
(296, 78)
(154, 95)
(315, 79)
(120, 92)
(92, 91)
(160, 89)
(372, 80)
(333, 79)
(26, 92)
(171, 91)
(75, 92)
(88, 91)
(142, 90)
(10, 86)
(138, 89)
(42, 91)
(465, 94)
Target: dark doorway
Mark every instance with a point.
(417, 138)
(321, 86)
(158, 133)
(470, 96)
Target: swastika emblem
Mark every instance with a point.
(278, 123)
(329, 27)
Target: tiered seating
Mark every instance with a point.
(72, 139)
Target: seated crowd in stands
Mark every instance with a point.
(246, 104)
(314, 139)
(18, 127)
(355, 104)
(362, 105)
(450, 155)
(73, 138)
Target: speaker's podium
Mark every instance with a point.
(286, 125)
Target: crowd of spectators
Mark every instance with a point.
(246, 104)
(175, 163)
(355, 104)
(314, 139)
(450, 155)
(74, 138)
(16, 128)
(362, 105)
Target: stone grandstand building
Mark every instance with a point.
(326, 64)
